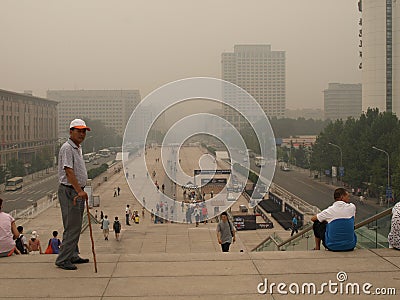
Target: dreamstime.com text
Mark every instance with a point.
(338, 287)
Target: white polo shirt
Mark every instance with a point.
(338, 210)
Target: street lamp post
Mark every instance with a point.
(388, 168)
(88, 138)
(341, 157)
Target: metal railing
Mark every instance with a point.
(294, 201)
(36, 208)
(307, 232)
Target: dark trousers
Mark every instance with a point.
(225, 247)
(294, 229)
(127, 219)
(72, 221)
(319, 229)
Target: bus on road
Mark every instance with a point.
(14, 184)
(259, 161)
(105, 152)
(88, 157)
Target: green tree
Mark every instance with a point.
(285, 127)
(15, 168)
(364, 166)
(100, 137)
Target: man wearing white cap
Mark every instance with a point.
(72, 176)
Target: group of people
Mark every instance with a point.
(105, 226)
(13, 240)
(198, 210)
(117, 191)
(131, 215)
(334, 226)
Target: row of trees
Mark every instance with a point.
(364, 166)
(41, 161)
(285, 127)
(99, 137)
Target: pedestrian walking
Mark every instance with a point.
(72, 176)
(294, 225)
(128, 214)
(225, 232)
(117, 228)
(115, 192)
(105, 224)
(118, 190)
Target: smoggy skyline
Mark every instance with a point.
(98, 44)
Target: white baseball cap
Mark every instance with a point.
(79, 124)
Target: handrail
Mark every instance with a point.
(371, 219)
(380, 215)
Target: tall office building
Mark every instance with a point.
(261, 72)
(112, 107)
(342, 101)
(28, 126)
(380, 51)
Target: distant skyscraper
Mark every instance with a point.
(112, 107)
(259, 71)
(380, 44)
(342, 101)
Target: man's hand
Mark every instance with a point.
(234, 239)
(83, 195)
(219, 241)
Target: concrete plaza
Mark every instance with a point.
(181, 261)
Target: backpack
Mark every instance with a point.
(117, 226)
(20, 245)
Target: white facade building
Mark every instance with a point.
(112, 107)
(342, 101)
(380, 44)
(259, 71)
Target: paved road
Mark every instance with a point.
(319, 193)
(298, 182)
(39, 187)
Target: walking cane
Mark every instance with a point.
(91, 233)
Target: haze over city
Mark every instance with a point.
(145, 44)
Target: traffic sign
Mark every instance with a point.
(389, 192)
(341, 171)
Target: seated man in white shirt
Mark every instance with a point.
(334, 226)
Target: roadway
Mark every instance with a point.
(319, 193)
(296, 181)
(38, 187)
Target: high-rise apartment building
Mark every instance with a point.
(112, 107)
(380, 51)
(28, 126)
(342, 101)
(259, 71)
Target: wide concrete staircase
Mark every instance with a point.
(176, 261)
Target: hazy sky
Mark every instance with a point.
(96, 44)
